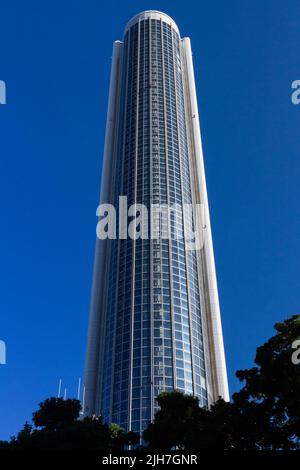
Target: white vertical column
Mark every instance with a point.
(95, 341)
(215, 335)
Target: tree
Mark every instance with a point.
(263, 415)
(271, 390)
(121, 439)
(57, 427)
(23, 438)
(174, 422)
(56, 412)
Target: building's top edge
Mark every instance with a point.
(154, 15)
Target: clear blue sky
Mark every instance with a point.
(55, 58)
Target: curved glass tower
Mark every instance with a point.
(155, 321)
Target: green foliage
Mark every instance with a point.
(56, 412)
(121, 439)
(270, 397)
(176, 419)
(57, 427)
(86, 434)
(263, 415)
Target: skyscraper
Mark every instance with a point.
(155, 320)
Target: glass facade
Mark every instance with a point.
(153, 329)
(155, 321)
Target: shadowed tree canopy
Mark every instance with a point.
(176, 419)
(270, 397)
(56, 412)
(58, 427)
(263, 415)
